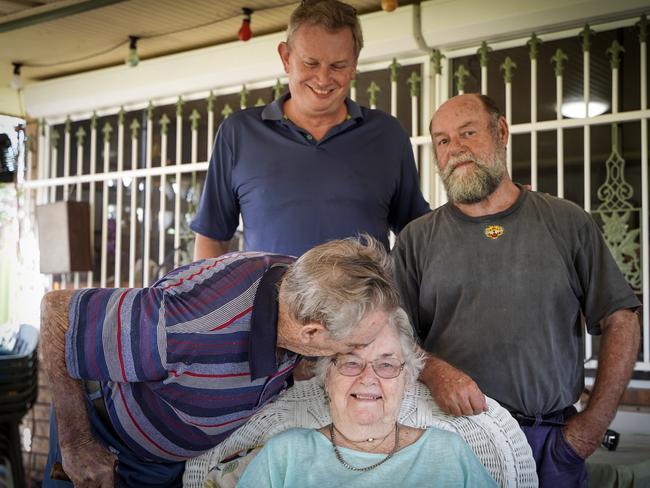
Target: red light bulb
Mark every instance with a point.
(245, 32)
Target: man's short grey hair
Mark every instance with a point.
(329, 14)
(493, 110)
(338, 283)
(413, 355)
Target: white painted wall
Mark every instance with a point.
(10, 99)
(457, 23)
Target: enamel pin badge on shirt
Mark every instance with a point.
(493, 231)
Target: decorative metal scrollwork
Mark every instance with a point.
(616, 213)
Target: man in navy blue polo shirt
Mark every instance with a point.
(180, 365)
(313, 165)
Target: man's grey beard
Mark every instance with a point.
(477, 184)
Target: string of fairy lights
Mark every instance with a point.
(132, 59)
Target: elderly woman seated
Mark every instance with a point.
(365, 445)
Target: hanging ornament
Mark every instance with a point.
(245, 32)
(388, 5)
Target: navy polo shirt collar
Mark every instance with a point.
(273, 111)
(354, 110)
(264, 324)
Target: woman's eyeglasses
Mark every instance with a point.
(353, 366)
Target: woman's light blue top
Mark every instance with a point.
(305, 458)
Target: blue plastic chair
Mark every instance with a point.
(18, 390)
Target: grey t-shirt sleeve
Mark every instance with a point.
(604, 287)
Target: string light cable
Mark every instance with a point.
(140, 38)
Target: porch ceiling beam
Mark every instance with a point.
(24, 3)
(52, 14)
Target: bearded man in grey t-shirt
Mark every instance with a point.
(500, 283)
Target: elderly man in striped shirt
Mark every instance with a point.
(143, 379)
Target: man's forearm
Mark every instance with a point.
(454, 391)
(431, 368)
(67, 393)
(618, 350)
(619, 347)
(204, 247)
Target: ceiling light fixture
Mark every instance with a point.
(576, 109)
(16, 82)
(132, 59)
(245, 32)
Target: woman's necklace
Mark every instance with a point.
(369, 439)
(338, 455)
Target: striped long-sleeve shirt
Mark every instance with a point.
(185, 362)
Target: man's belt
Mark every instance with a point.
(557, 418)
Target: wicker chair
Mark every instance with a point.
(494, 436)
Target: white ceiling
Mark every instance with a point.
(53, 38)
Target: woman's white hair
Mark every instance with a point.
(414, 356)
